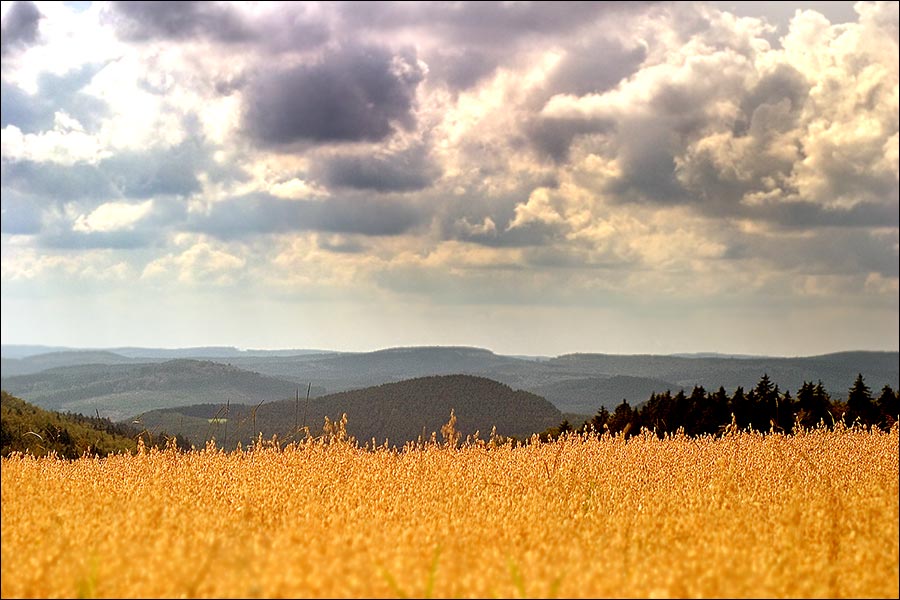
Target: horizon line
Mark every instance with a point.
(686, 354)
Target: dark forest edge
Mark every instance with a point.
(763, 408)
(28, 429)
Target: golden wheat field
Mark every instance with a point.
(814, 514)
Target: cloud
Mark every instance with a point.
(168, 171)
(19, 27)
(53, 182)
(734, 129)
(340, 244)
(404, 171)
(202, 262)
(466, 42)
(261, 214)
(844, 252)
(96, 240)
(478, 24)
(113, 216)
(276, 26)
(33, 113)
(141, 21)
(595, 66)
(356, 93)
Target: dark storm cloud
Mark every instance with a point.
(647, 161)
(264, 214)
(591, 66)
(796, 215)
(140, 21)
(553, 137)
(289, 28)
(461, 68)
(353, 94)
(405, 171)
(477, 37)
(785, 83)
(479, 23)
(595, 67)
(35, 113)
(19, 27)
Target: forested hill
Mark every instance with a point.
(398, 412)
(27, 428)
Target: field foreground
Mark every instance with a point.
(748, 515)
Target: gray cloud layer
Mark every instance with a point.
(289, 29)
(404, 171)
(19, 27)
(264, 214)
(357, 93)
(141, 21)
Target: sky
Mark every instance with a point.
(532, 178)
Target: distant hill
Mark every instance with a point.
(211, 352)
(837, 371)
(398, 412)
(587, 395)
(69, 358)
(27, 428)
(578, 383)
(23, 351)
(119, 391)
(346, 371)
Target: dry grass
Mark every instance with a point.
(809, 515)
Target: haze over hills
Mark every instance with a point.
(578, 383)
(119, 391)
(64, 358)
(399, 412)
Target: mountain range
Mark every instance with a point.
(120, 384)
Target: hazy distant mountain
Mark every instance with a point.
(353, 370)
(836, 371)
(713, 355)
(574, 382)
(69, 358)
(398, 412)
(567, 380)
(23, 351)
(587, 395)
(118, 391)
(210, 352)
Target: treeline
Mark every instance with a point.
(29, 429)
(763, 408)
